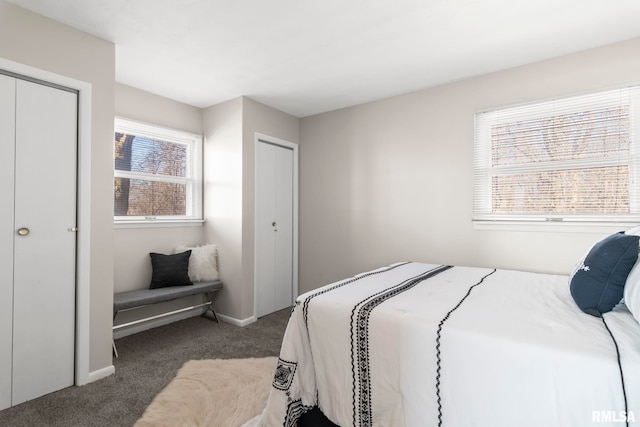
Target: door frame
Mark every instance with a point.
(266, 139)
(83, 205)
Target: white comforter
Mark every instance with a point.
(515, 352)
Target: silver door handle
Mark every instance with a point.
(23, 231)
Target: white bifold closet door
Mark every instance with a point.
(38, 136)
(274, 228)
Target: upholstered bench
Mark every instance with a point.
(142, 297)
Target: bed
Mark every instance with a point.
(415, 344)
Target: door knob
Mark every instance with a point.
(273, 224)
(23, 231)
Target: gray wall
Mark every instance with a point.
(380, 182)
(230, 129)
(131, 246)
(258, 118)
(223, 175)
(132, 265)
(391, 180)
(229, 163)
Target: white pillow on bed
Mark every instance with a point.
(203, 262)
(632, 285)
(632, 292)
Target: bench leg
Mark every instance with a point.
(211, 296)
(213, 315)
(113, 342)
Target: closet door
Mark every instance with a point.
(44, 240)
(7, 130)
(274, 228)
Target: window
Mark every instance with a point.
(157, 174)
(565, 160)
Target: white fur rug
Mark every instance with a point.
(212, 393)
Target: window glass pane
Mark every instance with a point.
(566, 159)
(141, 154)
(603, 190)
(138, 197)
(591, 134)
(157, 173)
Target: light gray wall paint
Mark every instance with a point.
(380, 182)
(257, 118)
(39, 42)
(229, 130)
(223, 198)
(132, 265)
(147, 107)
(392, 180)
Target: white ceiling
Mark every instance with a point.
(309, 56)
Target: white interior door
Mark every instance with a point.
(7, 132)
(274, 227)
(44, 257)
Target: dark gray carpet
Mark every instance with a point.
(148, 362)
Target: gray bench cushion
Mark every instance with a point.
(140, 297)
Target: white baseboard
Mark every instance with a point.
(100, 374)
(237, 322)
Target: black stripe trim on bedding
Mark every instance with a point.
(295, 409)
(624, 389)
(439, 334)
(295, 412)
(361, 378)
(305, 305)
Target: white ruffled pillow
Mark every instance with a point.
(632, 292)
(632, 285)
(203, 262)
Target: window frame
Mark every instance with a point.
(483, 172)
(193, 179)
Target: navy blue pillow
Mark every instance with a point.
(597, 285)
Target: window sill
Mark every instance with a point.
(554, 226)
(158, 223)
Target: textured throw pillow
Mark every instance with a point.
(169, 270)
(203, 263)
(632, 292)
(632, 286)
(635, 231)
(597, 284)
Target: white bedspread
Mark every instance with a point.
(515, 352)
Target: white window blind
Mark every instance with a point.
(157, 173)
(570, 159)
